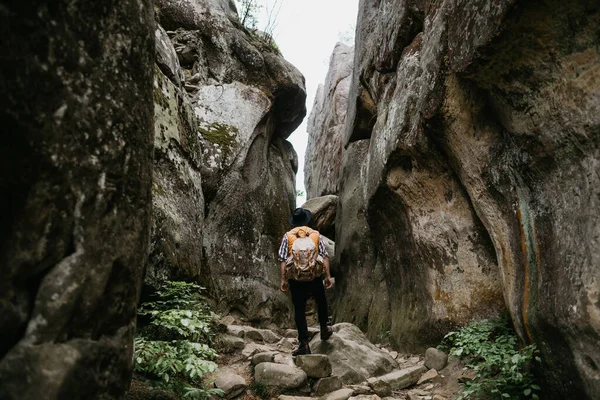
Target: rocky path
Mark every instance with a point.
(257, 364)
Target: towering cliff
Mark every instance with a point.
(470, 178)
(326, 125)
(224, 183)
(76, 116)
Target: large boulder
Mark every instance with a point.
(230, 383)
(323, 210)
(225, 181)
(397, 380)
(326, 125)
(76, 115)
(480, 174)
(352, 356)
(315, 365)
(279, 376)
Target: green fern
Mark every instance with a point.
(180, 313)
(503, 370)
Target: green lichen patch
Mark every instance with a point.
(220, 134)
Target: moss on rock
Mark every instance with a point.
(220, 134)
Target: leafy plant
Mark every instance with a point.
(179, 312)
(503, 371)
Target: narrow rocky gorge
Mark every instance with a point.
(452, 166)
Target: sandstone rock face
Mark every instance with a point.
(178, 199)
(326, 125)
(76, 158)
(470, 167)
(225, 175)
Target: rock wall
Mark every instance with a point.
(326, 125)
(225, 175)
(76, 158)
(470, 163)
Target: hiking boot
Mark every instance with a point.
(303, 348)
(326, 333)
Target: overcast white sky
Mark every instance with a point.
(306, 34)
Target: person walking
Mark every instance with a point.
(303, 263)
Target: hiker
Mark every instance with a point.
(303, 262)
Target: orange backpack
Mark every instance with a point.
(303, 263)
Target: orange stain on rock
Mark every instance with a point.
(527, 283)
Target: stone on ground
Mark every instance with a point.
(285, 359)
(353, 357)
(328, 385)
(230, 343)
(227, 320)
(361, 389)
(435, 359)
(399, 379)
(428, 376)
(251, 333)
(365, 397)
(284, 397)
(231, 384)
(253, 348)
(291, 333)
(269, 336)
(279, 376)
(342, 394)
(236, 330)
(266, 356)
(315, 365)
(438, 397)
(381, 387)
(287, 344)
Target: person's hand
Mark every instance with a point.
(284, 286)
(328, 283)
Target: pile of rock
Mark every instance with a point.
(347, 366)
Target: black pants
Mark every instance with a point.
(301, 291)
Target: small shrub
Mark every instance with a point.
(503, 371)
(179, 312)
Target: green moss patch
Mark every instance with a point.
(221, 134)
